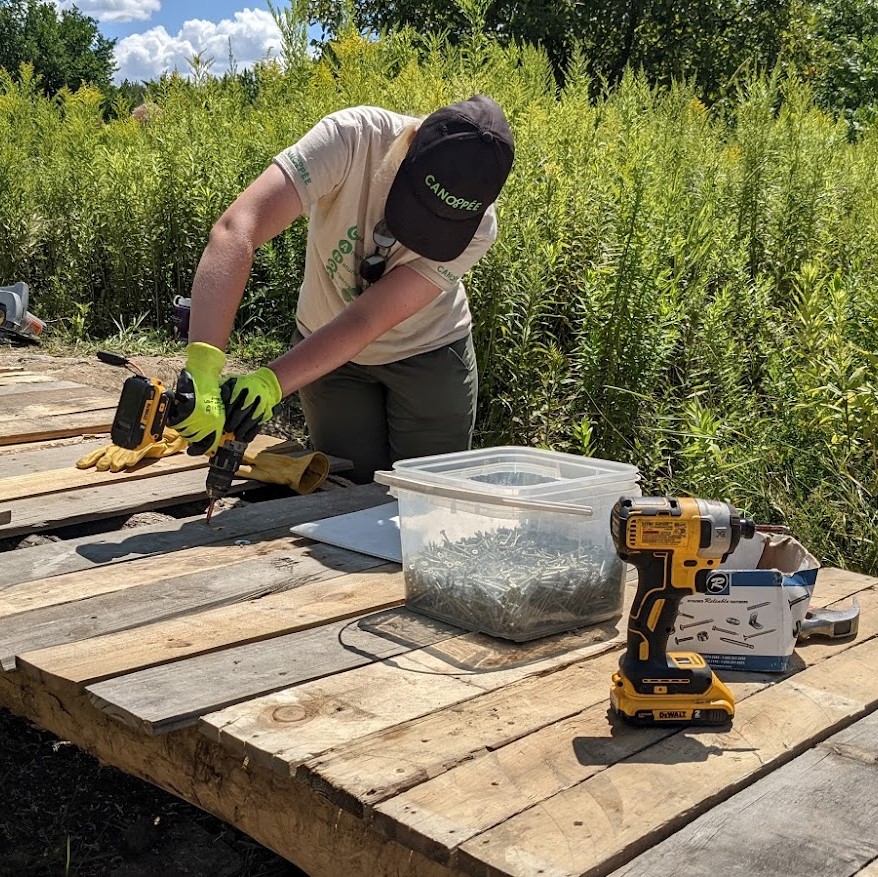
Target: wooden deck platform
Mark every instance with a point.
(281, 684)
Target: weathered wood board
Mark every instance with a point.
(7, 390)
(815, 816)
(171, 696)
(122, 546)
(263, 731)
(56, 426)
(60, 480)
(116, 493)
(169, 595)
(13, 378)
(103, 657)
(37, 407)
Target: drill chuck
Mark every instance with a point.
(223, 465)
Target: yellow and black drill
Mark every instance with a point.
(146, 407)
(676, 544)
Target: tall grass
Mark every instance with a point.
(690, 290)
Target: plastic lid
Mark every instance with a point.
(518, 471)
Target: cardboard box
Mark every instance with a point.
(753, 609)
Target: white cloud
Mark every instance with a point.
(114, 10)
(253, 34)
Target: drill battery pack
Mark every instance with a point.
(142, 412)
(668, 702)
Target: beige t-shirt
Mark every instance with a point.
(335, 169)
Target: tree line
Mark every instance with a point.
(832, 45)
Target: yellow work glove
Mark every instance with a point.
(303, 474)
(116, 459)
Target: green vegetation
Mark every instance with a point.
(689, 288)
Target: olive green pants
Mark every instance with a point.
(375, 415)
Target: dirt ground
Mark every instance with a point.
(63, 812)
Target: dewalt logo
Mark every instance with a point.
(672, 714)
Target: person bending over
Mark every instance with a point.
(399, 209)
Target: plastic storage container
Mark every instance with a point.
(513, 542)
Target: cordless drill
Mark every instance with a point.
(675, 543)
(144, 410)
(225, 461)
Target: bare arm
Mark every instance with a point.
(262, 211)
(398, 295)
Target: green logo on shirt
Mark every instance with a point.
(299, 165)
(451, 200)
(343, 248)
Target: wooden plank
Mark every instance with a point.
(70, 478)
(35, 514)
(103, 657)
(24, 377)
(629, 805)
(539, 710)
(41, 389)
(373, 768)
(286, 729)
(824, 802)
(165, 698)
(318, 837)
(16, 460)
(30, 451)
(56, 426)
(27, 407)
(79, 586)
(122, 546)
(170, 597)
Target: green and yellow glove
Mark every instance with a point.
(250, 401)
(199, 411)
(115, 459)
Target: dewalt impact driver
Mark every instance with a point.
(675, 543)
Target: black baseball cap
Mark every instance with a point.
(453, 171)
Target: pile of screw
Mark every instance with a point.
(515, 583)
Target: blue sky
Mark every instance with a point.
(155, 36)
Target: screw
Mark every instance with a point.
(696, 623)
(735, 642)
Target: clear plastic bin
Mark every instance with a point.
(513, 542)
